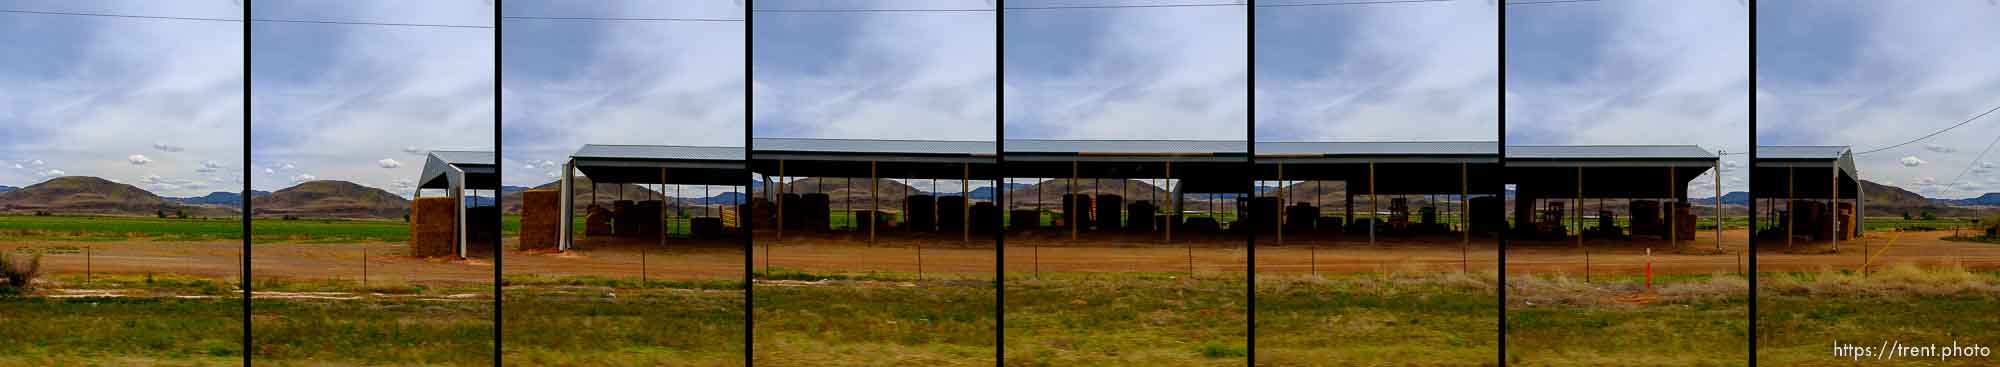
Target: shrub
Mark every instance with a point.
(43, 213)
(1991, 223)
(1928, 216)
(289, 217)
(19, 274)
(181, 213)
(160, 213)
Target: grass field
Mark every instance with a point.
(110, 228)
(1685, 320)
(1126, 319)
(1437, 319)
(617, 322)
(877, 319)
(1801, 315)
(150, 327)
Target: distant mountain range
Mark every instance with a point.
(218, 198)
(330, 199)
(92, 195)
(4, 188)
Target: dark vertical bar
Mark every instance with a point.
(999, 171)
(244, 274)
(498, 172)
(748, 145)
(1250, 162)
(1752, 157)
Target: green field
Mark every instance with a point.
(614, 322)
(873, 320)
(1801, 315)
(1126, 319)
(264, 230)
(1364, 319)
(151, 326)
(1686, 320)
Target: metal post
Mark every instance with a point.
(1579, 206)
(1069, 213)
(874, 201)
(1464, 247)
(1791, 214)
(1373, 206)
(1175, 197)
(965, 191)
(1718, 204)
(663, 212)
(1673, 210)
(781, 214)
(1833, 207)
(1280, 190)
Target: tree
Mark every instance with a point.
(181, 213)
(1906, 215)
(1928, 216)
(160, 213)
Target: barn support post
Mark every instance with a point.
(781, 214)
(1673, 209)
(1373, 207)
(1465, 230)
(1579, 206)
(1175, 198)
(1791, 214)
(565, 236)
(663, 213)
(1069, 214)
(1833, 206)
(874, 201)
(1280, 214)
(965, 191)
(1718, 204)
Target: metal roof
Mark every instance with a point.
(873, 146)
(659, 152)
(1379, 152)
(1132, 147)
(442, 170)
(1802, 152)
(1619, 152)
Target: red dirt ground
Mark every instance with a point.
(1926, 248)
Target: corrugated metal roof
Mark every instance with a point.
(1377, 148)
(873, 146)
(1823, 152)
(659, 152)
(460, 158)
(1135, 147)
(1608, 152)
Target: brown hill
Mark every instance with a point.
(605, 193)
(331, 199)
(84, 194)
(1891, 201)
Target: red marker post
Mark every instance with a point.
(1649, 268)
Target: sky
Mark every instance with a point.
(570, 83)
(877, 75)
(1127, 73)
(154, 103)
(1872, 74)
(881, 75)
(1621, 72)
(366, 103)
(1385, 72)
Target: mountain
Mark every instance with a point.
(218, 198)
(606, 193)
(82, 194)
(5, 188)
(1989, 199)
(331, 199)
(508, 189)
(1731, 198)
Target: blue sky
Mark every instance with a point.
(365, 103)
(901, 75)
(570, 83)
(1871, 74)
(1633, 72)
(153, 103)
(1127, 73)
(1387, 72)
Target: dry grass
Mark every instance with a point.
(1409, 318)
(1682, 320)
(1800, 314)
(1895, 280)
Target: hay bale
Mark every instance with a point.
(707, 228)
(1142, 213)
(922, 216)
(1107, 206)
(432, 224)
(951, 213)
(646, 218)
(622, 221)
(541, 219)
(985, 217)
(597, 222)
(1300, 217)
(1024, 219)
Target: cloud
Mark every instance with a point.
(209, 167)
(37, 163)
(164, 147)
(1939, 148)
(1912, 161)
(388, 163)
(138, 159)
(413, 150)
(403, 184)
(303, 177)
(269, 171)
(51, 173)
(1338, 74)
(17, 166)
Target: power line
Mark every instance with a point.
(1935, 133)
(946, 10)
(108, 15)
(1352, 3)
(343, 22)
(133, 16)
(625, 19)
(1066, 7)
(1968, 166)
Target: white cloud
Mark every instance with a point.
(51, 173)
(17, 166)
(164, 147)
(413, 150)
(1912, 161)
(138, 159)
(388, 163)
(1939, 148)
(302, 177)
(403, 184)
(287, 167)
(37, 163)
(269, 171)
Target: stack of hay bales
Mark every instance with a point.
(646, 217)
(1488, 214)
(1142, 216)
(1299, 217)
(597, 221)
(706, 228)
(922, 216)
(622, 222)
(431, 226)
(985, 217)
(951, 213)
(1262, 214)
(762, 213)
(794, 207)
(482, 226)
(1107, 212)
(1019, 219)
(1076, 210)
(818, 211)
(541, 219)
